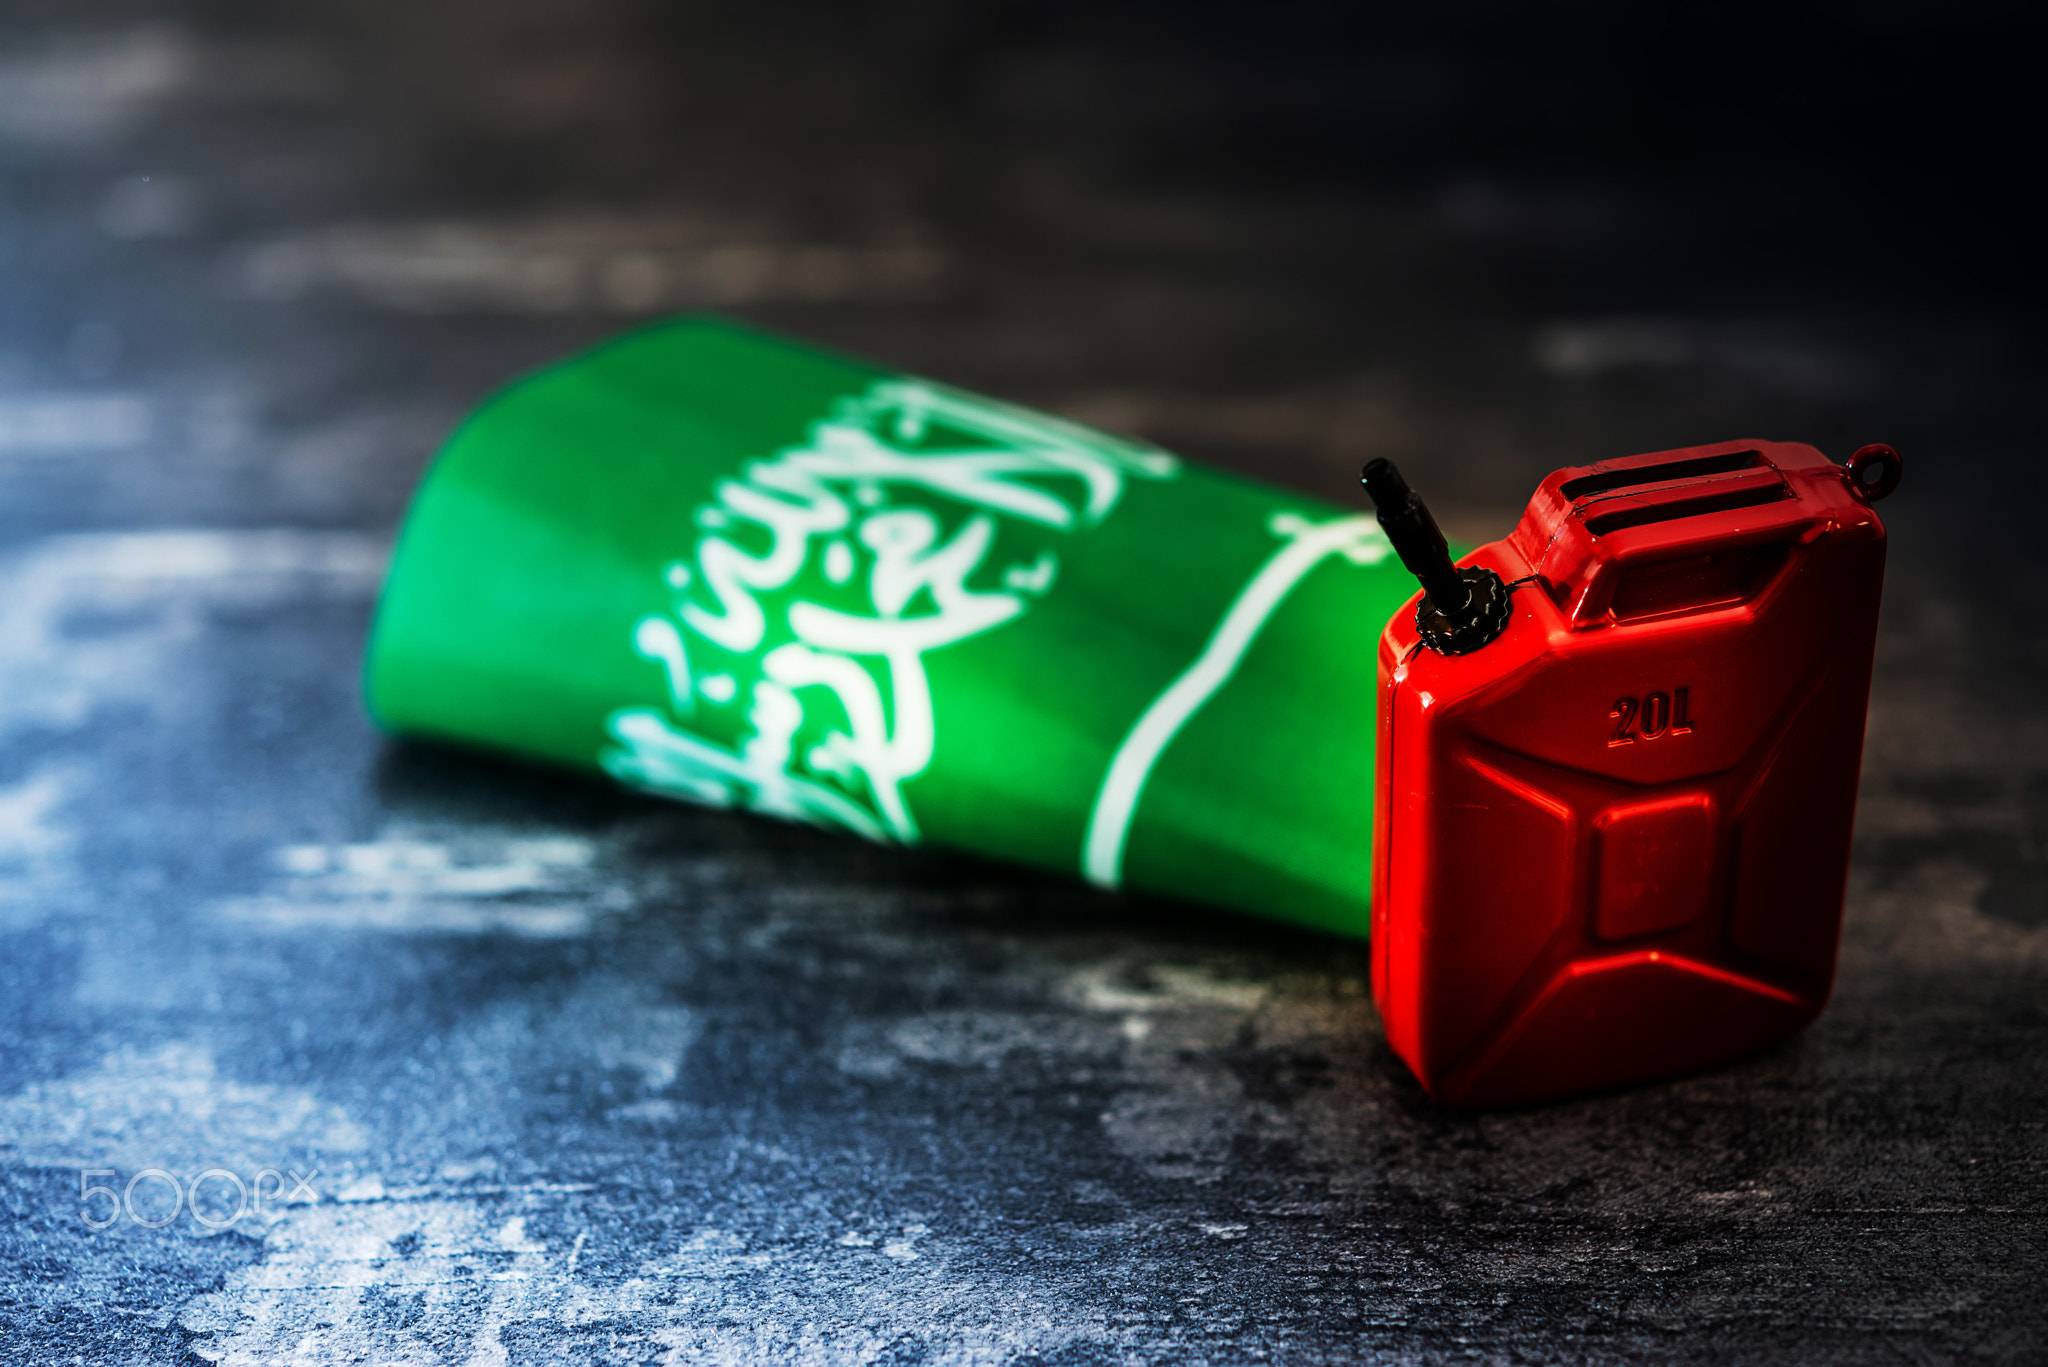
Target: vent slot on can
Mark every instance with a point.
(1726, 462)
(1642, 514)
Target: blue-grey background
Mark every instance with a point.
(528, 1070)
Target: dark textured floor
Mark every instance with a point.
(511, 1067)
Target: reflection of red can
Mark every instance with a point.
(1612, 841)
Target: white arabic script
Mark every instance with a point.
(868, 489)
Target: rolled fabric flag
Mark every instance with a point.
(730, 569)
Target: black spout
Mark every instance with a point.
(1405, 519)
(1461, 610)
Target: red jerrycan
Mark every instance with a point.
(1617, 768)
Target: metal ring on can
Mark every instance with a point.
(1874, 471)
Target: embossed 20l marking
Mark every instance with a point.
(1654, 715)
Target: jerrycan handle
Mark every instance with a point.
(1676, 533)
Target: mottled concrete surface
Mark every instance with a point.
(453, 1061)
